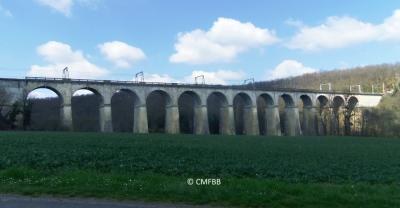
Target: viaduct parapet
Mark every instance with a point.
(311, 102)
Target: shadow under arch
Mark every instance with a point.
(323, 115)
(289, 116)
(242, 107)
(307, 116)
(216, 102)
(156, 102)
(338, 116)
(268, 115)
(188, 103)
(86, 104)
(353, 122)
(123, 104)
(43, 109)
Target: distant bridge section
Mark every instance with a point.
(321, 111)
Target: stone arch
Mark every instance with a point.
(338, 115)
(353, 117)
(45, 113)
(87, 109)
(323, 115)
(123, 105)
(242, 111)
(188, 104)
(53, 89)
(352, 102)
(268, 115)
(289, 114)
(218, 113)
(322, 101)
(307, 115)
(157, 102)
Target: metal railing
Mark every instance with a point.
(189, 85)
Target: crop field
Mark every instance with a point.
(254, 171)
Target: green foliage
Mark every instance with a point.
(385, 119)
(255, 171)
(233, 192)
(291, 159)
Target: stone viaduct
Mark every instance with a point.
(311, 103)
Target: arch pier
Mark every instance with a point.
(207, 109)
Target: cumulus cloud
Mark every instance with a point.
(338, 32)
(216, 77)
(288, 68)
(60, 55)
(211, 77)
(221, 43)
(121, 54)
(160, 78)
(65, 6)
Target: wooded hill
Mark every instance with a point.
(366, 76)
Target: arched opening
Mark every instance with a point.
(86, 103)
(289, 121)
(43, 109)
(353, 117)
(307, 116)
(216, 101)
(323, 115)
(338, 123)
(156, 103)
(187, 104)
(123, 104)
(268, 120)
(242, 113)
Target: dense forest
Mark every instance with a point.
(372, 76)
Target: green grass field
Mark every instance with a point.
(254, 171)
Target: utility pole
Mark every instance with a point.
(251, 80)
(358, 86)
(325, 84)
(65, 73)
(202, 78)
(139, 77)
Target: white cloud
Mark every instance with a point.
(5, 12)
(216, 77)
(160, 78)
(222, 43)
(60, 55)
(65, 6)
(42, 93)
(121, 54)
(211, 77)
(288, 68)
(338, 32)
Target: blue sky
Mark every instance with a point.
(173, 41)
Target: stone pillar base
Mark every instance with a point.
(172, 119)
(66, 118)
(227, 125)
(140, 124)
(106, 119)
(292, 121)
(201, 120)
(272, 120)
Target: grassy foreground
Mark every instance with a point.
(254, 171)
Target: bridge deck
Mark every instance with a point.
(183, 85)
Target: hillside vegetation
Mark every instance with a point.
(387, 74)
